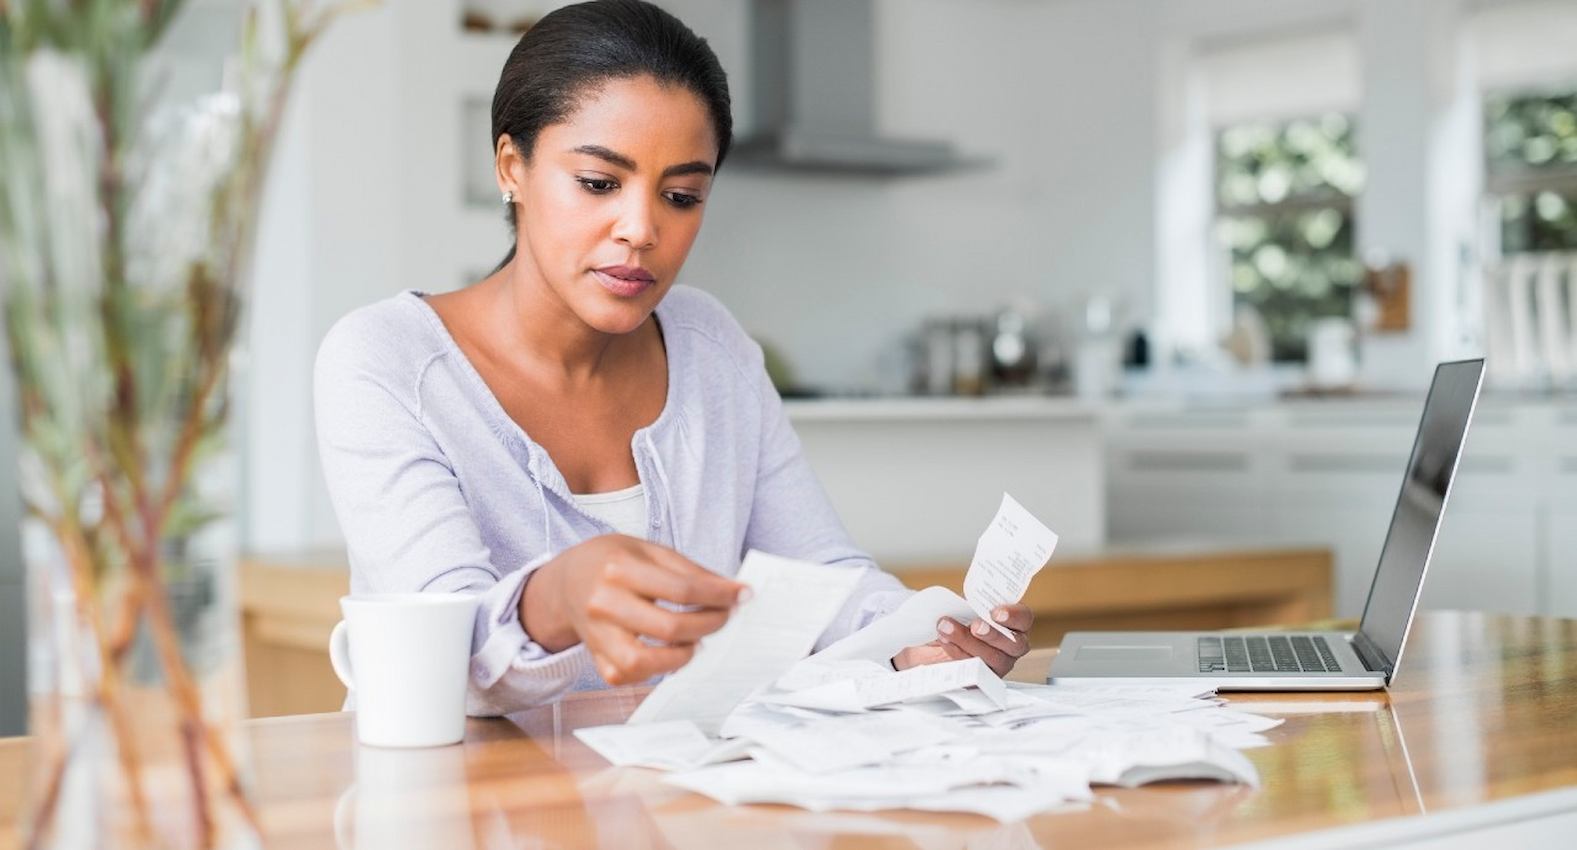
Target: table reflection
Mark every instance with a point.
(406, 798)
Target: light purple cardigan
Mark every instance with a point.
(437, 489)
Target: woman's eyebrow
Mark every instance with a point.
(693, 167)
(624, 162)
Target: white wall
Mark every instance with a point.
(1419, 133)
(360, 205)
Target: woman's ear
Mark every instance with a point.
(508, 166)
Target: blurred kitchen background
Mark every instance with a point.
(1174, 273)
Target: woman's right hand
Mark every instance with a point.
(603, 593)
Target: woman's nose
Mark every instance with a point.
(636, 225)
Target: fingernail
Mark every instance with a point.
(945, 627)
(745, 595)
(1000, 616)
(981, 628)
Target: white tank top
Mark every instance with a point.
(625, 509)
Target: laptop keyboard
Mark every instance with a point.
(1266, 654)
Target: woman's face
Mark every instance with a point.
(611, 199)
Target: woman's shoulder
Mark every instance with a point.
(392, 338)
(703, 316)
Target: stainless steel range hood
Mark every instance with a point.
(813, 93)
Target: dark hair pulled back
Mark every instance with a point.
(575, 48)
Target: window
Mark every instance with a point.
(1530, 147)
(1284, 220)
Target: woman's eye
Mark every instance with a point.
(684, 201)
(596, 186)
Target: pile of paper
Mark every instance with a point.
(949, 737)
(751, 720)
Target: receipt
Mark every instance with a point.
(672, 745)
(1010, 552)
(815, 671)
(839, 743)
(855, 695)
(913, 623)
(792, 604)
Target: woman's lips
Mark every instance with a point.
(620, 286)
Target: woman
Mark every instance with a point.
(588, 447)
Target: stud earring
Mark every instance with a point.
(509, 197)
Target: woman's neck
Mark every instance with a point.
(535, 321)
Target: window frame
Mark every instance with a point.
(1503, 181)
(1325, 197)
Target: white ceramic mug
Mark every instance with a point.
(405, 658)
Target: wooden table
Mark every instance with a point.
(1483, 710)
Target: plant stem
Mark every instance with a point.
(191, 745)
(131, 604)
(179, 682)
(180, 459)
(106, 693)
(44, 814)
(126, 748)
(124, 412)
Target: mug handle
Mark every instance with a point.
(339, 655)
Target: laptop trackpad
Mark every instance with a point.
(1124, 654)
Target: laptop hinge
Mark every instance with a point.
(1370, 656)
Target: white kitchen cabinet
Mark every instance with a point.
(1485, 560)
(1187, 474)
(1558, 579)
(1335, 474)
(1354, 535)
(1328, 473)
(916, 481)
(1560, 559)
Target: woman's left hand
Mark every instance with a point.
(955, 640)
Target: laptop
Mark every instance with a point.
(1312, 661)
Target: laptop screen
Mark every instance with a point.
(1416, 520)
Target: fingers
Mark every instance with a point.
(951, 632)
(1016, 617)
(1012, 643)
(653, 580)
(689, 583)
(934, 652)
(621, 607)
(621, 659)
(953, 652)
